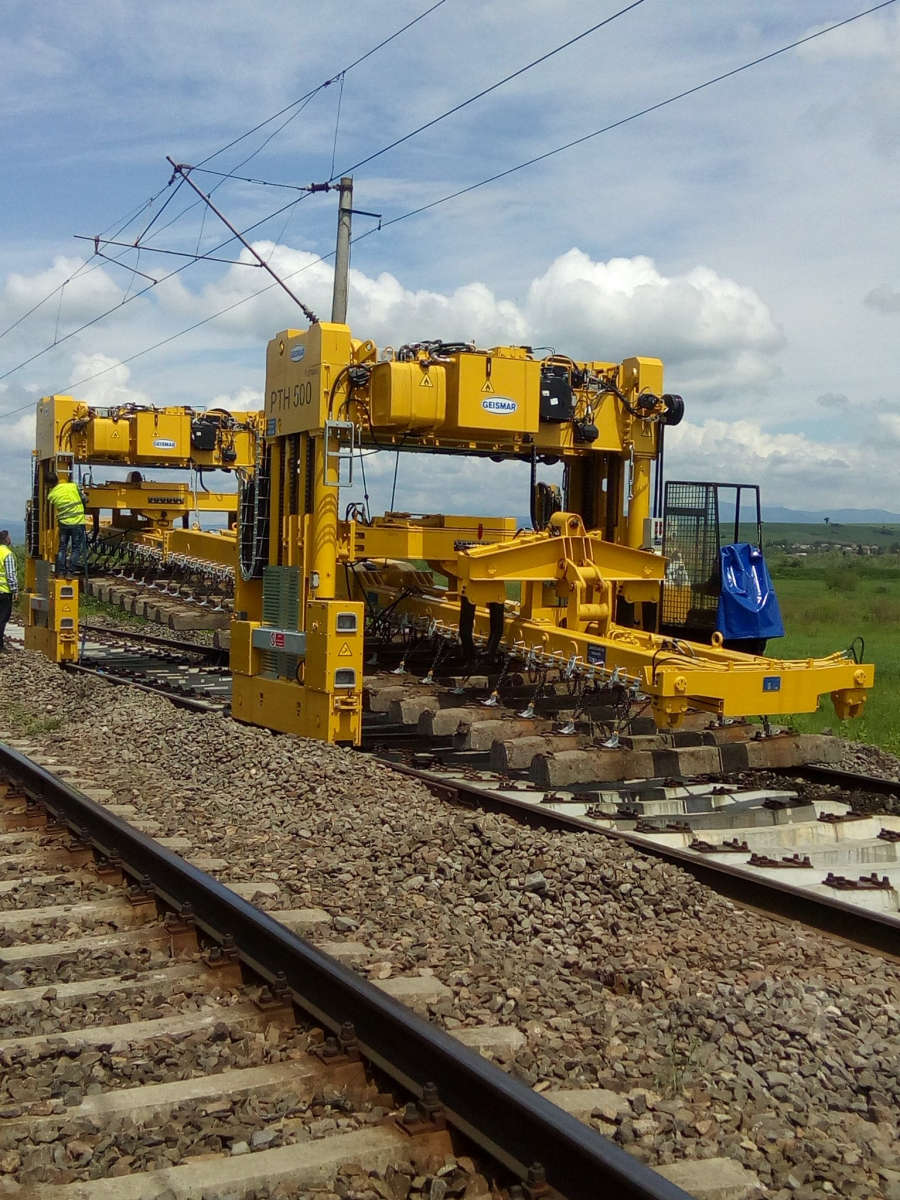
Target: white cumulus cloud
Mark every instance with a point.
(246, 399)
(877, 37)
(718, 334)
(888, 426)
(18, 435)
(102, 380)
(790, 468)
(82, 294)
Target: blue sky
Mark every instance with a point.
(747, 235)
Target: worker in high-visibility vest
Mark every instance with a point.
(67, 499)
(9, 582)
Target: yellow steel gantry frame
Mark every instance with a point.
(589, 586)
(70, 434)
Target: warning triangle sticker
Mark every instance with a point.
(426, 381)
(345, 651)
(487, 386)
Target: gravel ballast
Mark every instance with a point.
(728, 1034)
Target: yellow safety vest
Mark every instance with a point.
(5, 553)
(66, 499)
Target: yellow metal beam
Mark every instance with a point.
(153, 499)
(539, 557)
(430, 538)
(219, 547)
(726, 682)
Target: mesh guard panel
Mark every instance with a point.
(691, 545)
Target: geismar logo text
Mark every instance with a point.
(499, 405)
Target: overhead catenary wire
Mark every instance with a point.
(478, 95)
(493, 88)
(691, 91)
(275, 132)
(84, 268)
(304, 100)
(337, 125)
(482, 183)
(308, 95)
(224, 176)
(472, 187)
(133, 214)
(202, 227)
(277, 241)
(62, 292)
(182, 332)
(298, 106)
(124, 222)
(435, 120)
(159, 212)
(184, 173)
(142, 292)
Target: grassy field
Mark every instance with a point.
(883, 536)
(824, 615)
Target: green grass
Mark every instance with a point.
(825, 565)
(89, 607)
(882, 536)
(824, 616)
(25, 720)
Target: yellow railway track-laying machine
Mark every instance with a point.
(584, 593)
(150, 517)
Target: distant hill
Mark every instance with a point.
(885, 537)
(843, 516)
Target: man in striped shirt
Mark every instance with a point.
(9, 582)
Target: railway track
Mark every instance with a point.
(808, 858)
(208, 653)
(322, 860)
(159, 1035)
(799, 854)
(767, 849)
(191, 675)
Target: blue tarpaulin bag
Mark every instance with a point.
(748, 606)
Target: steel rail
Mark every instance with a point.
(875, 931)
(189, 702)
(850, 781)
(511, 1122)
(153, 639)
